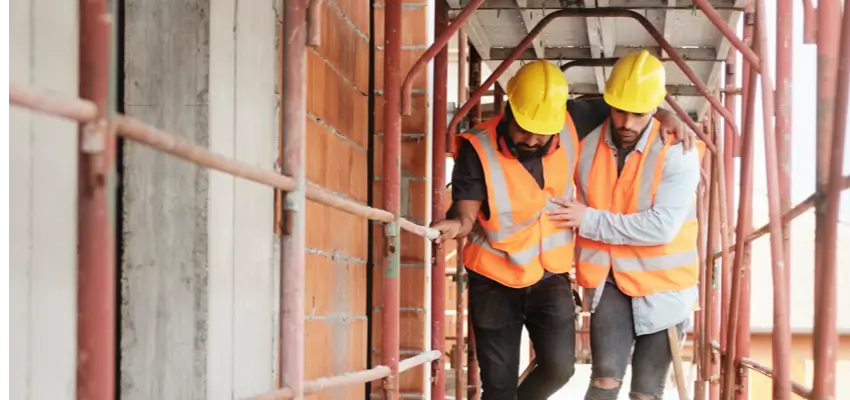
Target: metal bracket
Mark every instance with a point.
(391, 229)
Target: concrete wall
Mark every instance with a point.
(197, 288)
(42, 205)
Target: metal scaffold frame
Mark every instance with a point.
(722, 337)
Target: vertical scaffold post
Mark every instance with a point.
(781, 325)
(833, 81)
(738, 337)
(474, 84)
(392, 194)
(438, 254)
(293, 232)
(95, 239)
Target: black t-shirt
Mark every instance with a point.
(468, 181)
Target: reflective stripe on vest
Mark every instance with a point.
(507, 226)
(636, 268)
(518, 241)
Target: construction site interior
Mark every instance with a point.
(220, 199)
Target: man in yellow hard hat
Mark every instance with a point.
(636, 227)
(506, 171)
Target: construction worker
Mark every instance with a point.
(636, 227)
(506, 170)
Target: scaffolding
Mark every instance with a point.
(720, 336)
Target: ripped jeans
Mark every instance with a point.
(612, 335)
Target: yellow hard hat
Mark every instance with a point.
(637, 83)
(538, 95)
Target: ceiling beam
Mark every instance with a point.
(528, 24)
(673, 90)
(582, 53)
(723, 48)
(667, 24)
(472, 27)
(594, 38)
(558, 4)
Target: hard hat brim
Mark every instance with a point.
(618, 103)
(539, 127)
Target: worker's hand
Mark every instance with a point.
(570, 213)
(451, 229)
(674, 129)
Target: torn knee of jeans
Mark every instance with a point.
(641, 396)
(606, 383)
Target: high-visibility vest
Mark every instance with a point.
(518, 241)
(638, 270)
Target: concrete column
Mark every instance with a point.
(197, 288)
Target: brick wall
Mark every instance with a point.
(336, 324)
(413, 204)
(337, 159)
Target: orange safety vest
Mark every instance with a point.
(518, 241)
(638, 270)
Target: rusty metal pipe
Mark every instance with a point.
(96, 287)
(690, 122)
(75, 109)
(783, 101)
(796, 388)
(460, 308)
(828, 47)
(703, 245)
(728, 189)
(586, 13)
(728, 32)
(392, 194)
(354, 378)
(294, 223)
(137, 131)
(826, 334)
(462, 90)
(739, 270)
(438, 200)
(473, 382)
(722, 228)
(781, 345)
(474, 84)
(314, 23)
(810, 29)
(439, 43)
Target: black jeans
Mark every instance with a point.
(612, 334)
(498, 313)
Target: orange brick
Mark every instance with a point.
(412, 327)
(322, 347)
(357, 12)
(414, 152)
(335, 163)
(335, 101)
(412, 248)
(418, 195)
(413, 26)
(408, 58)
(412, 287)
(415, 123)
(331, 230)
(343, 46)
(334, 286)
(412, 380)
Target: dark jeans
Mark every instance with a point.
(612, 334)
(498, 314)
